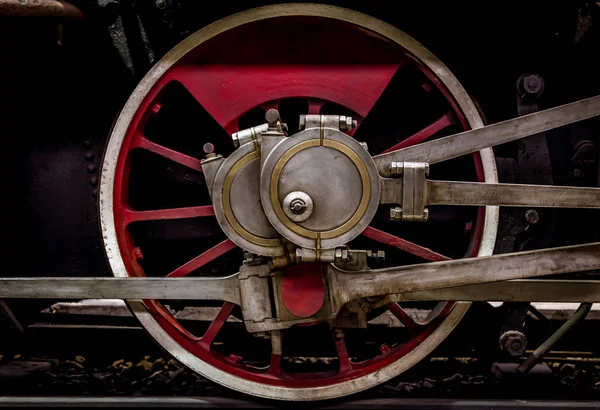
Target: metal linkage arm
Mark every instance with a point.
(346, 286)
(519, 290)
(476, 193)
(467, 142)
(226, 289)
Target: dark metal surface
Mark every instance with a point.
(217, 402)
(39, 8)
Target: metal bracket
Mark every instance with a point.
(413, 191)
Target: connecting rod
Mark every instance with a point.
(467, 142)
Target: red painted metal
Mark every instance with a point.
(202, 259)
(302, 289)
(228, 89)
(145, 143)
(446, 120)
(403, 244)
(216, 325)
(129, 215)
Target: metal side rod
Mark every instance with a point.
(453, 146)
(475, 193)
(519, 290)
(225, 289)
(348, 286)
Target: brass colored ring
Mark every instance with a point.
(362, 206)
(227, 204)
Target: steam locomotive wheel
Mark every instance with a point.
(157, 218)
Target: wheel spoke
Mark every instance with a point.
(190, 162)
(216, 325)
(446, 120)
(481, 194)
(356, 86)
(203, 259)
(468, 142)
(276, 352)
(342, 352)
(129, 215)
(403, 244)
(402, 316)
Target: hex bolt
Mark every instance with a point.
(272, 116)
(87, 144)
(513, 342)
(160, 4)
(532, 216)
(94, 181)
(396, 213)
(396, 168)
(531, 85)
(425, 214)
(364, 145)
(91, 168)
(89, 156)
(347, 123)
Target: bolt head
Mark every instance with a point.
(532, 85)
(396, 213)
(514, 343)
(397, 168)
(532, 216)
(208, 148)
(298, 206)
(272, 116)
(346, 123)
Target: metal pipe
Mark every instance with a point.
(545, 347)
(39, 8)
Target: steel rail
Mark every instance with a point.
(467, 142)
(482, 194)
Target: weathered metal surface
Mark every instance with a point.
(39, 8)
(468, 142)
(345, 286)
(519, 290)
(475, 193)
(437, 275)
(226, 289)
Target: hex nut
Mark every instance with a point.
(396, 213)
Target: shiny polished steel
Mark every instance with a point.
(249, 134)
(298, 206)
(237, 204)
(467, 142)
(334, 170)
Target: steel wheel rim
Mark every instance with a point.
(109, 169)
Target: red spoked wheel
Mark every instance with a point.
(157, 218)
